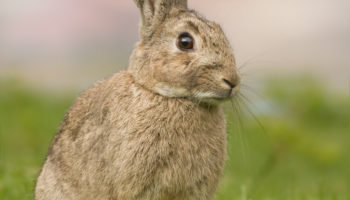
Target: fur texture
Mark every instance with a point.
(155, 131)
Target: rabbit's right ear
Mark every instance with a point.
(154, 12)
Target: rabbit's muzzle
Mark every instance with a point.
(219, 89)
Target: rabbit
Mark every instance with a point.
(155, 131)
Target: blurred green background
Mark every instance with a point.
(289, 140)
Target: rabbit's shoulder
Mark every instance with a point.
(93, 105)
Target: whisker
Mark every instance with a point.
(245, 101)
(240, 127)
(255, 58)
(249, 88)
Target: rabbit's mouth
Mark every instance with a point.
(214, 98)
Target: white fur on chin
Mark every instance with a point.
(170, 91)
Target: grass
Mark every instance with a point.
(297, 148)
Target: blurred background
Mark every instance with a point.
(289, 132)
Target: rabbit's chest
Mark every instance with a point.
(167, 152)
(180, 158)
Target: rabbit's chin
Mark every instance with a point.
(211, 98)
(199, 97)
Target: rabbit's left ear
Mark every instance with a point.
(153, 12)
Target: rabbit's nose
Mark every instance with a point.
(230, 83)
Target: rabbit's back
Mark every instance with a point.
(120, 141)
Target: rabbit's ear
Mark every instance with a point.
(153, 12)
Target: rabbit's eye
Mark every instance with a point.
(185, 42)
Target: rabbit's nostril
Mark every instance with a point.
(232, 85)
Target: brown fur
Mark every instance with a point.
(155, 131)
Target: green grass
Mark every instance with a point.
(297, 148)
(28, 121)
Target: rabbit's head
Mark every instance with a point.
(181, 54)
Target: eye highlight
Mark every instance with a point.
(185, 42)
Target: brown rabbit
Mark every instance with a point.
(155, 131)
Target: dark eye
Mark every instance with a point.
(185, 42)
